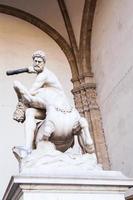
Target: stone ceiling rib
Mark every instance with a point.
(69, 29)
(45, 10)
(85, 35)
(75, 10)
(47, 29)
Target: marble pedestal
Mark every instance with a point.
(102, 185)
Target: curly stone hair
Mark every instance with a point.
(40, 54)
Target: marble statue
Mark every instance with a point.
(46, 101)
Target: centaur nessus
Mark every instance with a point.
(46, 100)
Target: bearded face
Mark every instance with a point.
(38, 64)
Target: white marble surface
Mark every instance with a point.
(109, 185)
(48, 161)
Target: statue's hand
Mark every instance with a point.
(31, 69)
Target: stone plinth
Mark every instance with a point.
(105, 186)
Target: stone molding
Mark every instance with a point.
(85, 97)
(94, 183)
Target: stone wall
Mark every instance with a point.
(112, 63)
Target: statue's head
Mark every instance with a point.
(39, 60)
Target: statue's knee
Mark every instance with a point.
(83, 122)
(16, 83)
(46, 130)
(43, 135)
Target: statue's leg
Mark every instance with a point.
(30, 125)
(45, 131)
(17, 91)
(21, 91)
(33, 101)
(84, 137)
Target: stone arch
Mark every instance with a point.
(55, 35)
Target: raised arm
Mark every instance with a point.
(17, 71)
(20, 70)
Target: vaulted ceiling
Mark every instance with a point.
(68, 22)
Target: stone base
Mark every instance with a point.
(108, 185)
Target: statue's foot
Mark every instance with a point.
(21, 152)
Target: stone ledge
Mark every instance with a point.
(109, 185)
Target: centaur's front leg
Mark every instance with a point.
(84, 137)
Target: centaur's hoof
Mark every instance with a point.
(90, 148)
(20, 152)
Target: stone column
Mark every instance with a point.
(86, 102)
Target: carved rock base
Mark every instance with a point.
(48, 161)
